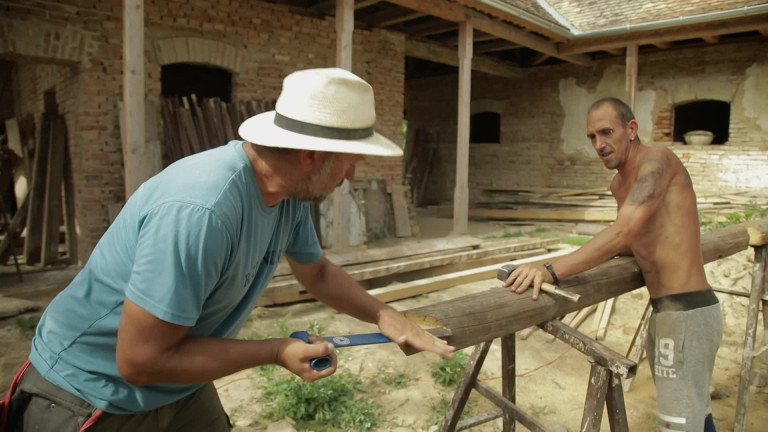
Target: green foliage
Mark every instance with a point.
(575, 240)
(327, 403)
(448, 372)
(27, 325)
(282, 326)
(316, 328)
(397, 380)
(749, 212)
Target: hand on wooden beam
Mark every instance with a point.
(521, 277)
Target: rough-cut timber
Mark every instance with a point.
(496, 312)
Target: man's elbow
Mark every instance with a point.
(133, 370)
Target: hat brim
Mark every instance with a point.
(261, 129)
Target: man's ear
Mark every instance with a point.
(632, 126)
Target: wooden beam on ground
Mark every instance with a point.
(423, 286)
(496, 312)
(558, 214)
(438, 53)
(288, 289)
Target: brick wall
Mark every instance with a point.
(543, 123)
(75, 47)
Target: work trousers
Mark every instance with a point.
(37, 405)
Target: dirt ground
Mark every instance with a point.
(552, 377)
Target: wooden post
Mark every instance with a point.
(508, 378)
(631, 74)
(461, 193)
(471, 370)
(134, 140)
(759, 282)
(345, 25)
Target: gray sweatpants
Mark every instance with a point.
(681, 349)
(38, 405)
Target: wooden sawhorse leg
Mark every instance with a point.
(608, 368)
(759, 289)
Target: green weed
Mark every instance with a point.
(27, 325)
(448, 372)
(575, 240)
(397, 380)
(328, 403)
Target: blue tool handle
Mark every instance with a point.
(317, 363)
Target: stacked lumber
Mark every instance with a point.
(44, 209)
(590, 205)
(191, 126)
(409, 261)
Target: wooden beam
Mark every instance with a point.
(458, 13)
(662, 45)
(496, 312)
(664, 35)
(711, 39)
(445, 55)
(539, 58)
(345, 25)
(431, 28)
(365, 3)
(631, 74)
(461, 190)
(134, 144)
(496, 45)
(401, 19)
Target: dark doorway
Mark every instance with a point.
(484, 128)
(709, 115)
(185, 79)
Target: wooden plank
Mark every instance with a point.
(525, 419)
(592, 215)
(34, 226)
(409, 249)
(439, 53)
(20, 178)
(496, 312)
(289, 289)
(400, 207)
(595, 400)
(604, 318)
(436, 283)
(52, 209)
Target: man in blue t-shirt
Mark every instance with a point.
(134, 342)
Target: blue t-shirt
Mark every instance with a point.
(195, 246)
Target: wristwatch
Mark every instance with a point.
(551, 271)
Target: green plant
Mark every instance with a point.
(27, 325)
(575, 240)
(398, 379)
(330, 402)
(282, 326)
(448, 372)
(315, 327)
(439, 411)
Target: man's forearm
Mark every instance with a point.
(200, 359)
(337, 289)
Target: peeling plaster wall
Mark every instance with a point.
(543, 125)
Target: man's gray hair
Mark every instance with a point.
(621, 108)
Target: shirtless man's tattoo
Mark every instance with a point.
(646, 185)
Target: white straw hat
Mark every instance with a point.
(321, 109)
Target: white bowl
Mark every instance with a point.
(699, 137)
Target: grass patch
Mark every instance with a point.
(398, 379)
(328, 403)
(448, 372)
(27, 325)
(576, 240)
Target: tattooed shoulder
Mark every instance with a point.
(648, 182)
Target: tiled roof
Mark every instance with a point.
(588, 15)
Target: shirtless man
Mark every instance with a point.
(658, 223)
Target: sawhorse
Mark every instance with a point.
(608, 368)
